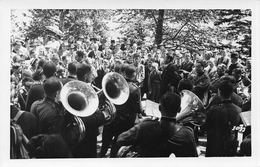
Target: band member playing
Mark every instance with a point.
(87, 148)
(127, 112)
(220, 123)
(51, 119)
(164, 137)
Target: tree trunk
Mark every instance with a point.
(159, 28)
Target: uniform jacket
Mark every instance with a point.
(132, 106)
(217, 127)
(160, 138)
(51, 120)
(236, 99)
(87, 148)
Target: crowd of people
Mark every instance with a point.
(221, 78)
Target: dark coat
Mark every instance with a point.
(35, 93)
(170, 77)
(27, 121)
(160, 138)
(51, 120)
(218, 129)
(127, 111)
(144, 89)
(236, 99)
(126, 115)
(66, 80)
(87, 147)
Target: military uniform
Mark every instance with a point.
(125, 118)
(87, 147)
(160, 138)
(51, 120)
(221, 141)
(215, 100)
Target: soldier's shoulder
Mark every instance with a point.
(150, 120)
(217, 106)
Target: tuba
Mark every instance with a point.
(115, 90)
(81, 100)
(192, 109)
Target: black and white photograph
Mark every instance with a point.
(130, 83)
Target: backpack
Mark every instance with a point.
(18, 140)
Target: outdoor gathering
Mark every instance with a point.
(130, 83)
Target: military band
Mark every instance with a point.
(106, 86)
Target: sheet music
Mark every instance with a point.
(152, 109)
(246, 118)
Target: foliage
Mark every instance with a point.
(178, 27)
(18, 27)
(183, 28)
(87, 22)
(236, 24)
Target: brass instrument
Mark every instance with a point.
(116, 91)
(80, 99)
(76, 97)
(192, 109)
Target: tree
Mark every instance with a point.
(71, 21)
(179, 27)
(18, 28)
(236, 24)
